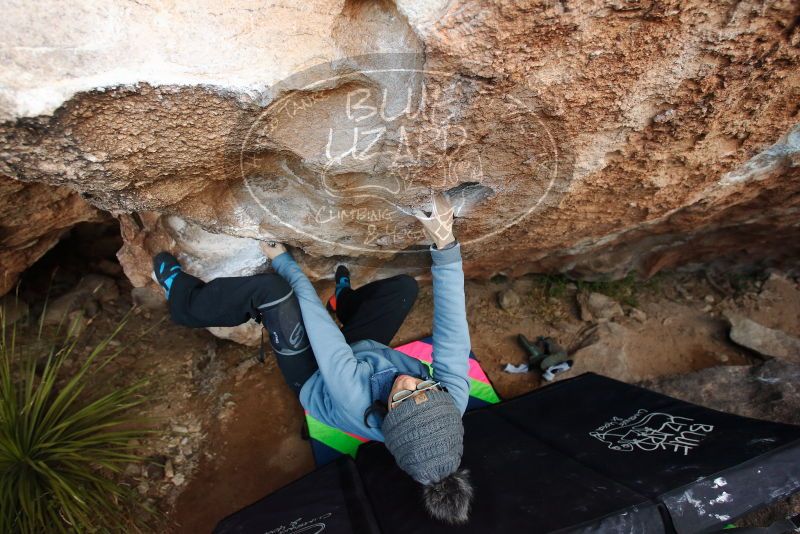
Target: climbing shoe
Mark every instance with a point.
(165, 269)
(342, 278)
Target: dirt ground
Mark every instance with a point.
(230, 430)
(681, 332)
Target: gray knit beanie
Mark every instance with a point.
(426, 437)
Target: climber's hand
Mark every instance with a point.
(272, 249)
(439, 224)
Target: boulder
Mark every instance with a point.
(33, 217)
(777, 305)
(608, 353)
(674, 339)
(765, 341)
(591, 140)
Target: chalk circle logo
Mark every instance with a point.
(652, 431)
(344, 151)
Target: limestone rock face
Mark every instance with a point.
(583, 137)
(34, 216)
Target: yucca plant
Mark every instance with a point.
(60, 444)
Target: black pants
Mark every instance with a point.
(374, 311)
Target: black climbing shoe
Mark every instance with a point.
(165, 269)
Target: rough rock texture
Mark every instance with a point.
(32, 219)
(764, 340)
(582, 137)
(777, 305)
(598, 307)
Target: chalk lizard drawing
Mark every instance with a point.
(652, 431)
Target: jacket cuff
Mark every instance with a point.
(281, 260)
(449, 254)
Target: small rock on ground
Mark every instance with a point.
(169, 470)
(154, 467)
(766, 341)
(598, 307)
(508, 300)
(148, 298)
(86, 296)
(637, 315)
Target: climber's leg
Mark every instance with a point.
(266, 298)
(377, 310)
(287, 335)
(222, 301)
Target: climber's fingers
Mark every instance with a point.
(439, 224)
(272, 249)
(441, 210)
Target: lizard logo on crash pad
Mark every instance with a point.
(652, 431)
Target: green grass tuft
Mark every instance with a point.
(61, 442)
(625, 290)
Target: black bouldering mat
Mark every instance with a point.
(330, 499)
(521, 483)
(706, 467)
(588, 454)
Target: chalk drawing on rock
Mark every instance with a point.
(343, 155)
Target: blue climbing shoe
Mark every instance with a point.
(166, 268)
(342, 278)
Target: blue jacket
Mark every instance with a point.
(351, 377)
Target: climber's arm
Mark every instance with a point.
(450, 330)
(451, 344)
(334, 356)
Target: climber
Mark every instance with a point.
(349, 378)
